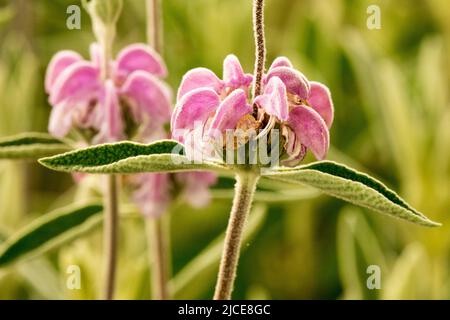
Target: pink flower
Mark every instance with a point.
(302, 109)
(82, 100)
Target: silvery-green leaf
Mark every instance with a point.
(350, 185)
(49, 232)
(31, 145)
(128, 157)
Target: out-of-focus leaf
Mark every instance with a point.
(6, 14)
(357, 248)
(347, 259)
(43, 277)
(40, 274)
(410, 275)
(344, 183)
(31, 145)
(3, 236)
(49, 232)
(192, 276)
(128, 157)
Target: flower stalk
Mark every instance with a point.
(243, 197)
(260, 52)
(110, 235)
(154, 25)
(159, 255)
(157, 228)
(104, 18)
(246, 181)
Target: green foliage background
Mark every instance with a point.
(391, 94)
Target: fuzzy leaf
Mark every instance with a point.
(49, 232)
(31, 145)
(128, 157)
(342, 182)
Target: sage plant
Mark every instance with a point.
(236, 115)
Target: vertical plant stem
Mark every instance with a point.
(110, 235)
(243, 198)
(260, 52)
(158, 230)
(110, 198)
(159, 257)
(154, 24)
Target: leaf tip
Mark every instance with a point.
(433, 224)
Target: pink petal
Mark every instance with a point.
(139, 57)
(78, 81)
(199, 78)
(61, 118)
(233, 74)
(311, 129)
(320, 100)
(95, 54)
(196, 187)
(230, 111)
(296, 83)
(57, 65)
(274, 100)
(295, 150)
(109, 107)
(281, 62)
(81, 113)
(148, 96)
(196, 106)
(153, 193)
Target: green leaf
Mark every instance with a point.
(347, 184)
(128, 157)
(49, 232)
(31, 145)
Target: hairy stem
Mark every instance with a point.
(154, 24)
(110, 235)
(243, 198)
(260, 52)
(159, 248)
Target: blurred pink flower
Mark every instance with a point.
(81, 99)
(303, 109)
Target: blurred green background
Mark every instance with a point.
(390, 88)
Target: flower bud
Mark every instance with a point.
(106, 12)
(104, 15)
